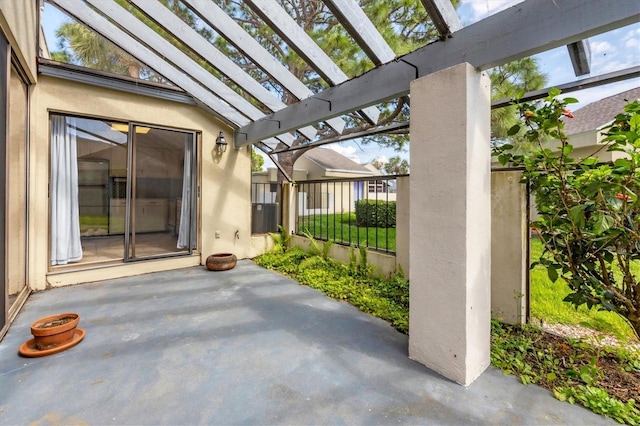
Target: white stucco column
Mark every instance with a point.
(450, 243)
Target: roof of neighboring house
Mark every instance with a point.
(332, 160)
(599, 113)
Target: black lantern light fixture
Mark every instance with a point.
(221, 143)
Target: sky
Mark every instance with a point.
(611, 51)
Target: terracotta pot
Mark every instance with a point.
(55, 330)
(221, 261)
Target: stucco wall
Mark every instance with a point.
(509, 244)
(403, 232)
(18, 21)
(224, 204)
(313, 170)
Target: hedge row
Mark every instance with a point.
(376, 214)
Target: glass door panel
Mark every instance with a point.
(161, 178)
(102, 168)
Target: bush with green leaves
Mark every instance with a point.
(589, 212)
(376, 213)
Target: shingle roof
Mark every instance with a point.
(599, 113)
(332, 160)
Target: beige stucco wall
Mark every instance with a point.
(509, 244)
(18, 22)
(271, 175)
(403, 231)
(224, 204)
(313, 170)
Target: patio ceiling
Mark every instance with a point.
(259, 116)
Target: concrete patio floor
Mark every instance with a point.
(246, 346)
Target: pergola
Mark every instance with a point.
(520, 31)
(450, 102)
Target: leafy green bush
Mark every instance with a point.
(376, 213)
(280, 240)
(589, 213)
(599, 401)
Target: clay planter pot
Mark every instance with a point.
(53, 331)
(221, 261)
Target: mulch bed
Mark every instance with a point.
(624, 385)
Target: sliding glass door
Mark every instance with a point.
(14, 181)
(135, 197)
(161, 202)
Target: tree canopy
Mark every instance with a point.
(257, 162)
(397, 166)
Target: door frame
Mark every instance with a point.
(5, 63)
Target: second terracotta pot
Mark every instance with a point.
(221, 261)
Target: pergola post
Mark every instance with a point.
(450, 242)
(289, 206)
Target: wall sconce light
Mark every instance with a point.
(221, 143)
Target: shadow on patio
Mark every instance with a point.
(245, 346)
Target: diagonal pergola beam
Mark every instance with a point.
(287, 28)
(443, 15)
(204, 98)
(82, 13)
(168, 51)
(523, 30)
(217, 19)
(362, 30)
(190, 37)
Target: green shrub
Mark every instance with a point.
(587, 211)
(376, 213)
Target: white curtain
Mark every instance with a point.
(185, 208)
(65, 221)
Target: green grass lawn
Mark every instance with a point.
(547, 304)
(342, 228)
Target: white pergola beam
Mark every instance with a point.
(287, 28)
(168, 51)
(215, 17)
(443, 15)
(518, 32)
(87, 16)
(183, 32)
(360, 27)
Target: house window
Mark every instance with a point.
(120, 191)
(378, 186)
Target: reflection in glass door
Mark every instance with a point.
(161, 204)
